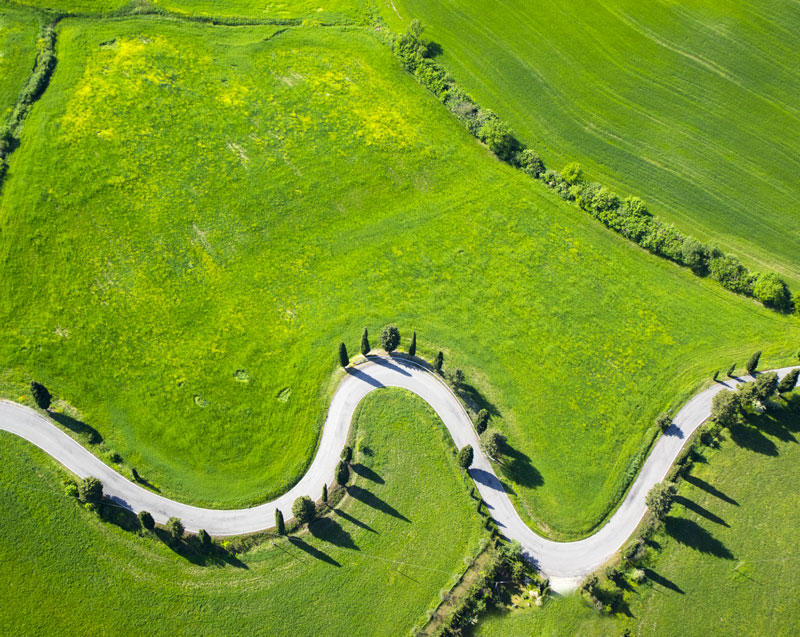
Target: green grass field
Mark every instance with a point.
(728, 557)
(323, 11)
(371, 569)
(197, 216)
(689, 105)
(18, 32)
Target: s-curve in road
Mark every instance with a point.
(566, 563)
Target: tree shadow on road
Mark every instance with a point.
(691, 534)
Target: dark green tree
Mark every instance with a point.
(390, 338)
(493, 443)
(41, 396)
(438, 362)
(457, 378)
(765, 387)
(342, 472)
(344, 359)
(365, 348)
(659, 499)
(530, 162)
(205, 539)
(304, 509)
(146, 520)
(731, 371)
(752, 364)
(412, 349)
(664, 421)
(465, 455)
(482, 421)
(497, 135)
(788, 382)
(325, 493)
(175, 529)
(280, 525)
(726, 408)
(90, 490)
(347, 454)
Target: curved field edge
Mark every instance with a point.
(495, 270)
(367, 571)
(687, 106)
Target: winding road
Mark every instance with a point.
(565, 563)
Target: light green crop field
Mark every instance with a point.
(727, 562)
(322, 11)
(370, 569)
(18, 30)
(690, 105)
(197, 216)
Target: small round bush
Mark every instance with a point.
(146, 520)
(41, 396)
(175, 528)
(90, 490)
(304, 509)
(465, 456)
(390, 338)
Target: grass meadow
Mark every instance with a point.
(197, 216)
(726, 559)
(371, 568)
(689, 105)
(18, 33)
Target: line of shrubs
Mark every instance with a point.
(628, 217)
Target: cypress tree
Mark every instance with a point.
(325, 493)
(280, 526)
(365, 348)
(412, 350)
(731, 370)
(482, 421)
(41, 396)
(437, 363)
(342, 473)
(788, 382)
(344, 359)
(347, 454)
(205, 539)
(752, 364)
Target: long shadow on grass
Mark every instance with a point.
(518, 467)
(356, 521)
(691, 534)
(190, 549)
(365, 472)
(775, 424)
(708, 488)
(77, 426)
(663, 581)
(329, 530)
(693, 506)
(313, 552)
(370, 499)
(751, 438)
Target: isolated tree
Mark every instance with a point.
(325, 493)
(304, 509)
(771, 290)
(347, 454)
(731, 371)
(765, 386)
(412, 349)
(752, 364)
(365, 348)
(175, 529)
(342, 472)
(465, 455)
(146, 520)
(344, 359)
(664, 421)
(90, 490)
(390, 338)
(439, 361)
(280, 525)
(205, 539)
(726, 408)
(788, 382)
(493, 442)
(41, 396)
(482, 421)
(659, 499)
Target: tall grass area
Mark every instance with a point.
(197, 216)
(370, 569)
(689, 105)
(18, 31)
(322, 11)
(727, 559)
